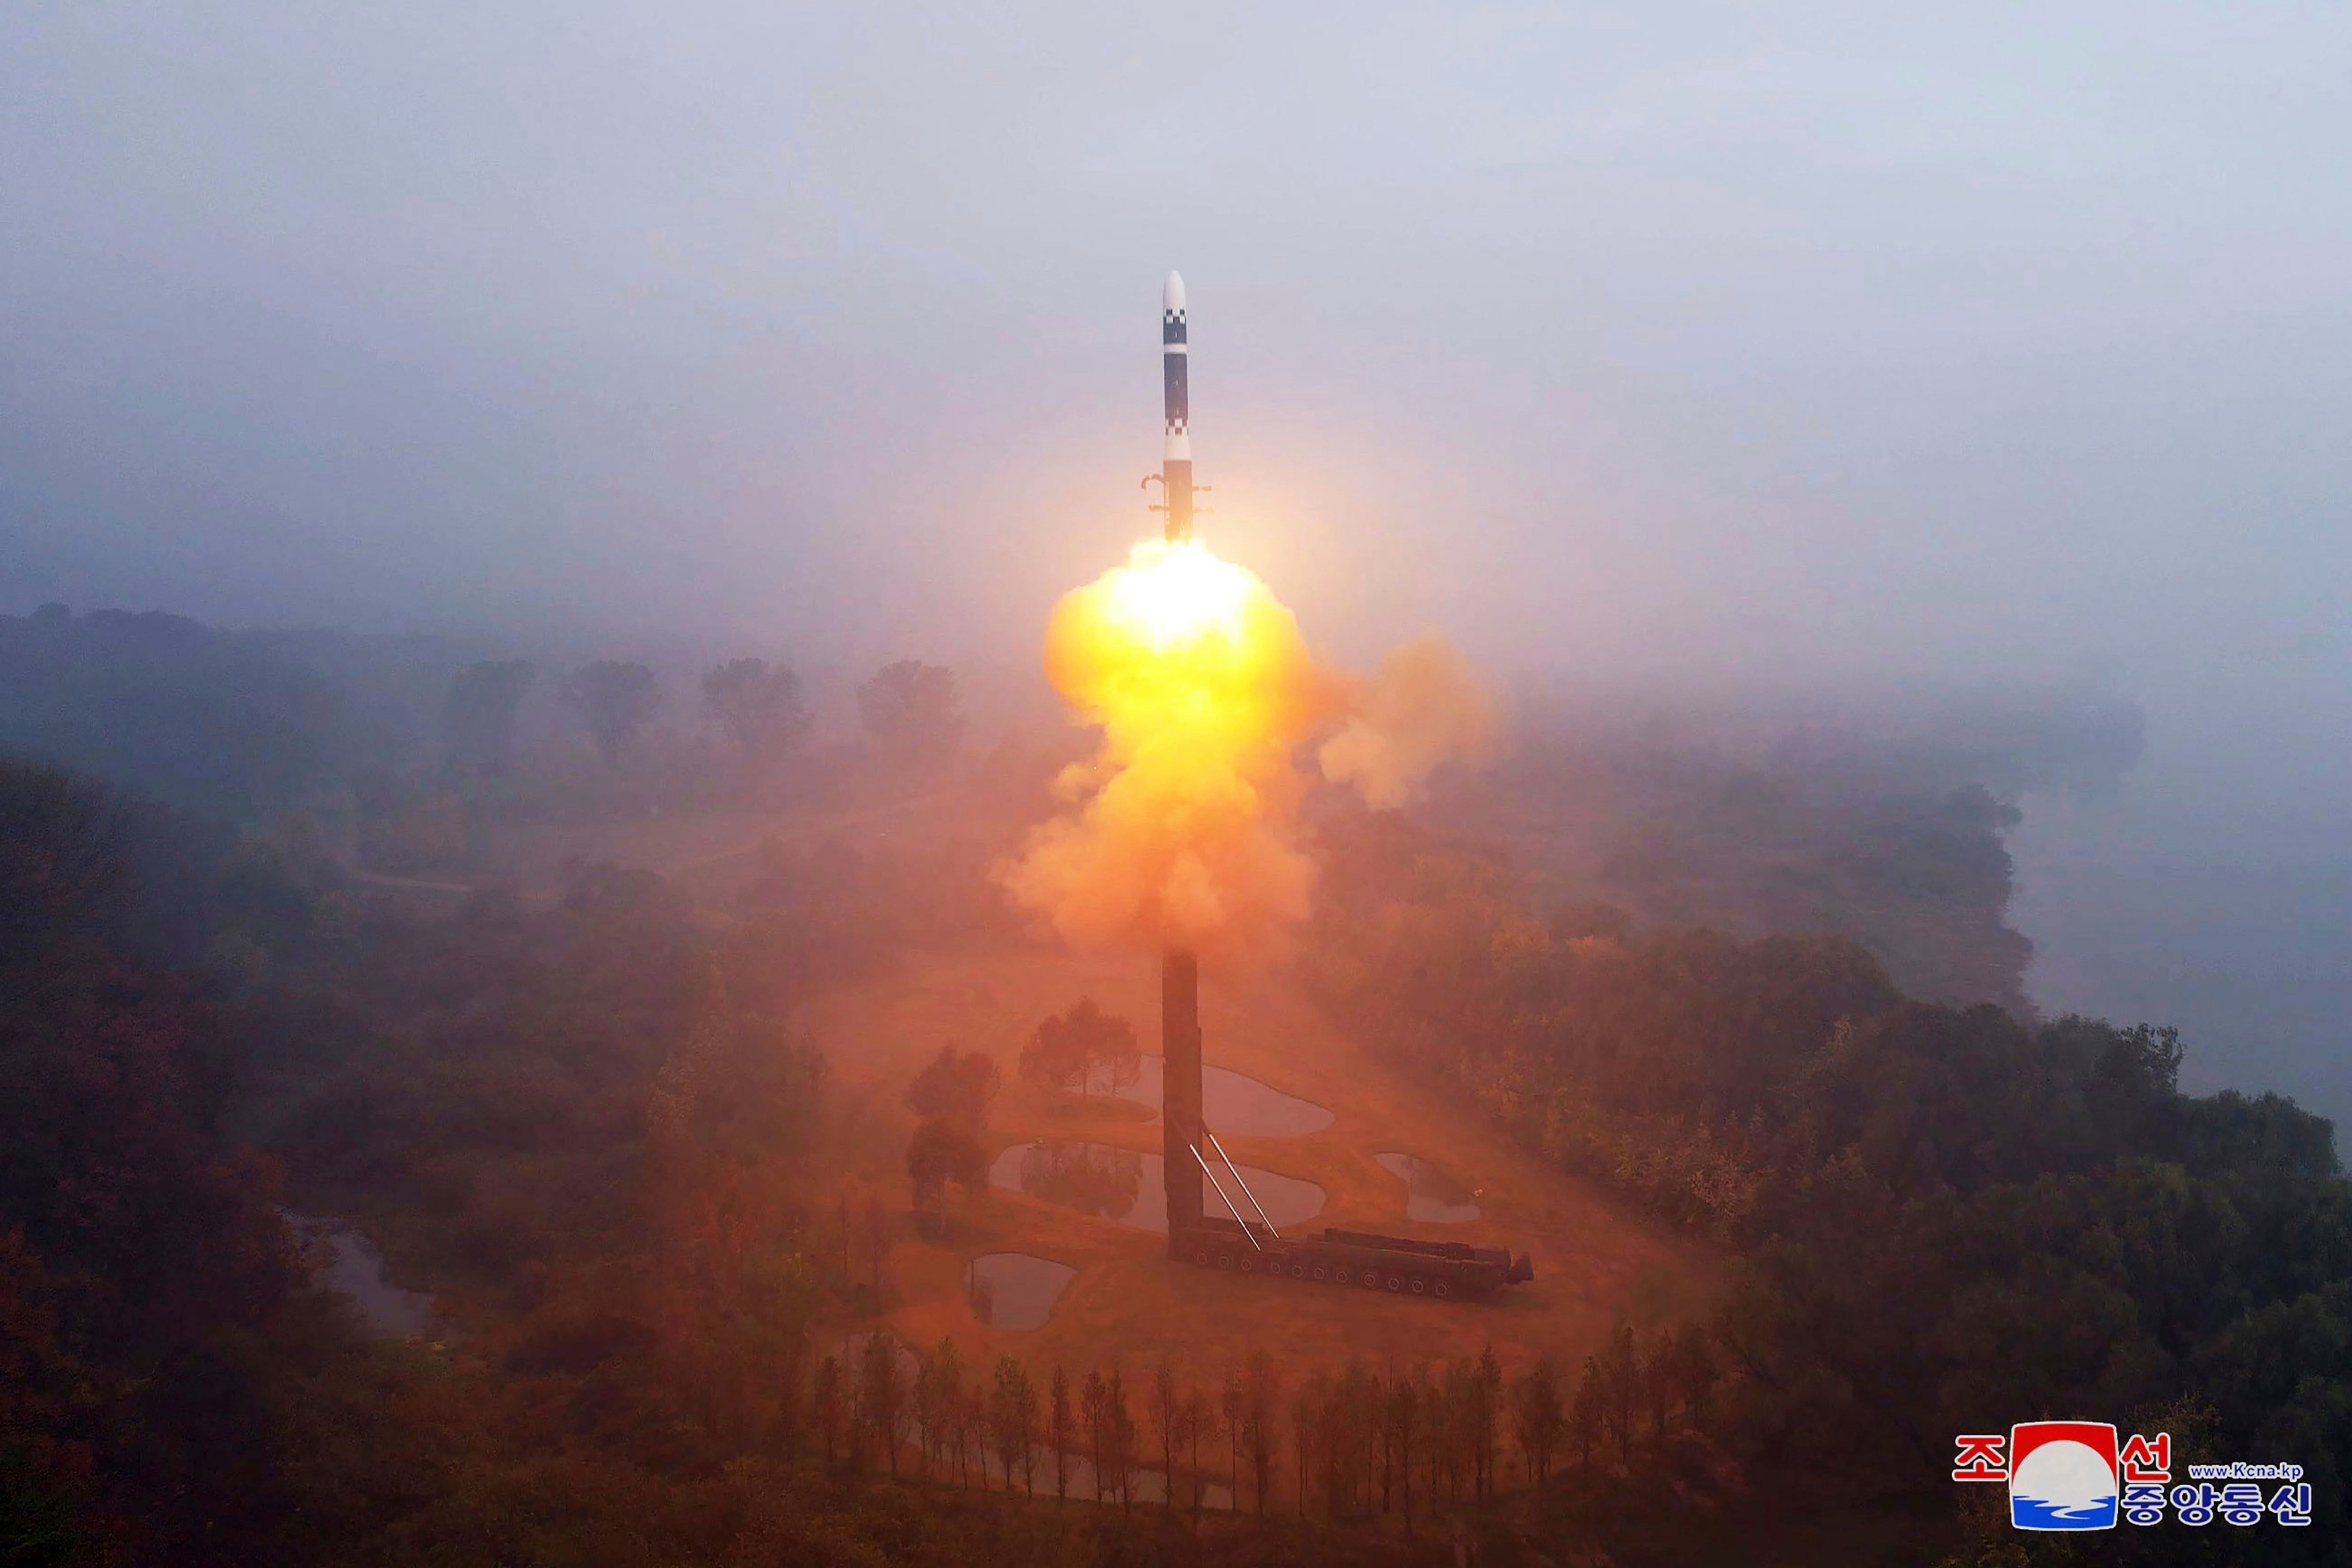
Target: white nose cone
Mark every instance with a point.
(1172, 294)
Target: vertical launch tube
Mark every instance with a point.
(1176, 405)
(1179, 1093)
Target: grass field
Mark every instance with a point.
(1594, 1265)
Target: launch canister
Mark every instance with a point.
(1176, 445)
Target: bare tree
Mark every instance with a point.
(1658, 1378)
(1697, 1370)
(1194, 1423)
(1537, 1417)
(1621, 1387)
(1262, 1404)
(877, 1243)
(1487, 1417)
(926, 1404)
(1062, 1431)
(945, 1371)
(826, 1395)
(1584, 1412)
(1094, 1398)
(882, 1394)
(1407, 1400)
(1166, 1407)
(1305, 1426)
(1122, 1438)
(1233, 1415)
(1013, 1420)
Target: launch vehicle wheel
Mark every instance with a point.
(1371, 1279)
(1320, 1274)
(1338, 1277)
(1396, 1281)
(1299, 1271)
(1245, 1262)
(1202, 1258)
(1443, 1288)
(1420, 1286)
(1224, 1260)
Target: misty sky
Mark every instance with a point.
(1689, 342)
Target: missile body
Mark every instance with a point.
(1176, 443)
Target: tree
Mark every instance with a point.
(1407, 1399)
(1094, 1397)
(1487, 1417)
(1061, 1431)
(1166, 1412)
(1121, 1424)
(1013, 1421)
(956, 1087)
(941, 1152)
(1659, 1374)
(615, 700)
(1233, 1411)
(1261, 1402)
(908, 710)
(950, 1398)
(826, 1395)
(933, 1377)
(1072, 1049)
(877, 1243)
(1537, 1417)
(1696, 1371)
(1194, 1422)
(1305, 1427)
(970, 1430)
(759, 706)
(882, 1394)
(1621, 1389)
(478, 717)
(1584, 1412)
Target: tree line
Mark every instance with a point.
(1351, 1445)
(1945, 1219)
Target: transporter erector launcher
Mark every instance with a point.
(1194, 1164)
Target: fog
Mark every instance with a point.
(1673, 346)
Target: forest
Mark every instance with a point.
(278, 959)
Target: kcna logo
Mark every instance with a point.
(2063, 1475)
(2071, 1475)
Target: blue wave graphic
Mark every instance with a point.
(2032, 1513)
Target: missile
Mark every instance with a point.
(1176, 443)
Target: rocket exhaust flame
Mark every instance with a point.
(1184, 830)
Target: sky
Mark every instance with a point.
(1675, 343)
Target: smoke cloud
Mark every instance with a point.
(1183, 828)
(1424, 710)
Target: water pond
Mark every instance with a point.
(1015, 1290)
(356, 1268)
(1233, 1104)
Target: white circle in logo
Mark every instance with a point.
(2065, 1475)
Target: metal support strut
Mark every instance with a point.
(1245, 1186)
(1229, 1202)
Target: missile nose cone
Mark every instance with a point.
(1172, 294)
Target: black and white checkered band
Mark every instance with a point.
(1171, 326)
(1176, 425)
